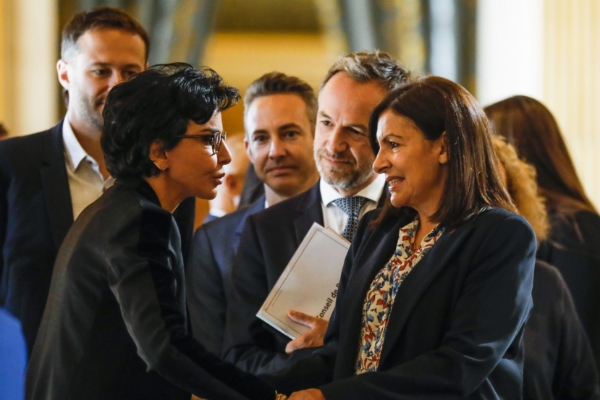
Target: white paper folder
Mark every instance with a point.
(309, 283)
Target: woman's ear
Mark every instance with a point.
(158, 155)
(443, 158)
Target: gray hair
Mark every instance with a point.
(377, 66)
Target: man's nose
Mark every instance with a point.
(276, 148)
(336, 142)
(116, 78)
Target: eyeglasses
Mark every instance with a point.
(213, 140)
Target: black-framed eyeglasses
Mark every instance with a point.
(213, 140)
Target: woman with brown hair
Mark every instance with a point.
(573, 245)
(436, 287)
(558, 360)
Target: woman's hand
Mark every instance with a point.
(310, 394)
(312, 338)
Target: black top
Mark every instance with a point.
(116, 310)
(35, 216)
(558, 360)
(574, 249)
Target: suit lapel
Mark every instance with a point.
(55, 185)
(255, 207)
(309, 211)
(418, 281)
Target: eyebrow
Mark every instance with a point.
(290, 125)
(364, 127)
(385, 136)
(258, 131)
(105, 64)
(207, 130)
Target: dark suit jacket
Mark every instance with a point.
(574, 249)
(35, 215)
(208, 274)
(456, 327)
(253, 188)
(268, 242)
(117, 310)
(559, 363)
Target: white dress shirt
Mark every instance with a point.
(86, 183)
(333, 217)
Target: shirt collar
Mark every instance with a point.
(75, 152)
(372, 192)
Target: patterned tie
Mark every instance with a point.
(351, 206)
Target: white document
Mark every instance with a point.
(309, 283)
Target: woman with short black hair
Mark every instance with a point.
(115, 325)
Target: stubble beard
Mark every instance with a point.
(91, 112)
(342, 178)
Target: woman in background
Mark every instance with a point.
(573, 244)
(436, 286)
(559, 364)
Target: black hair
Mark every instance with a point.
(157, 104)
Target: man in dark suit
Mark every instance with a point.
(48, 178)
(348, 188)
(280, 114)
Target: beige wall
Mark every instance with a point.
(549, 50)
(572, 82)
(28, 54)
(240, 58)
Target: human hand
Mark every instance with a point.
(312, 338)
(309, 394)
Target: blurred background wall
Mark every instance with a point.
(547, 49)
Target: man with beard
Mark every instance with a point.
(348, 188)
(48, 178)
(280, 114)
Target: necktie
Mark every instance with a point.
(351, 206)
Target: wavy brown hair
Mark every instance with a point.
(529, 126)
(437, 105)
(522, 186)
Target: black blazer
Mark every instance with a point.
(117, 310)
(268, 242)
(35, 215)
(456, 327)
(208, 274)
(574, 249)
(559, 363)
